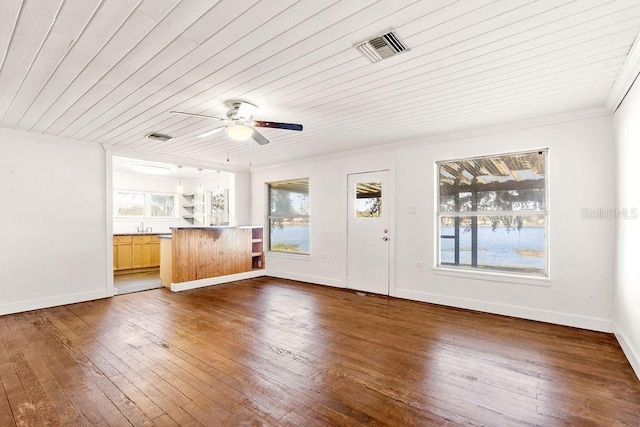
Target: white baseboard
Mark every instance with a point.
(584, 322)
(633, 356)
(193, 284)
(317, 280)
(36, 304)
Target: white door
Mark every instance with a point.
(368, 233)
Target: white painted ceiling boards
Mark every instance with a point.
(109, 71)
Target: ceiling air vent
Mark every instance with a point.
(159, 137)
(382, 47)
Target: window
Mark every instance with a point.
(289, 216)
(144, 205)
(130, 204)
(368, 199)
(220, 207)
(163, 205)
(492, 213)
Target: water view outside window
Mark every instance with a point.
(289, 216)
(493, 213)
(163, 205)
(130, 204)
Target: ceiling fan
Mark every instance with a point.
(239, 124)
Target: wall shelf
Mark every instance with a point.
(257, 249)
(193, 206)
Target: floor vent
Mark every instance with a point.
(382, 47)
(159, 137)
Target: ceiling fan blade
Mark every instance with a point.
(196, 115)
(259, 138)
(211, 132)
(277, 125)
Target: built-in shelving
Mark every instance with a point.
(257, 248)
(193, 206)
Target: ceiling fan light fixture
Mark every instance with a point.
(239, 132)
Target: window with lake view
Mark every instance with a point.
(492, 213)
(289, 216)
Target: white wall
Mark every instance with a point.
(53, 245)
(581, 158)
(627, 288)
(243, 199)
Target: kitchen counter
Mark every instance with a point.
(214, 251)
(139, 234)
(213, 227)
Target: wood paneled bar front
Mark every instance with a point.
(205, 252)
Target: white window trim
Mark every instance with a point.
(299, 256)
(285, 254)
(492, 276)
(147, 205)
(543, 280)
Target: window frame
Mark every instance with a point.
(147, 205)
(149, 198)
(270, 217)
(225, 214)
(116, 210)
(487, 273)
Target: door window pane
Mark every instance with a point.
(368, 199)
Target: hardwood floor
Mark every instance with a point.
(277, 352)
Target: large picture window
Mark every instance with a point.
(492, 213)
(289, 216)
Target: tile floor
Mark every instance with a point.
(136, 282)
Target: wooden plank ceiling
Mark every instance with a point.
(109, 71)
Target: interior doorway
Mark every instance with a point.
(146, 199)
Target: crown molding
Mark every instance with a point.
(627, 76)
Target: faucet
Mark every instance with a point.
(140, 228)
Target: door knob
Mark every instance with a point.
(385, 238)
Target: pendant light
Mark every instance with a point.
(180, 188)
(200, 189)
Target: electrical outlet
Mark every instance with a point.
(412, 210)
(419, 264)
(323, 255)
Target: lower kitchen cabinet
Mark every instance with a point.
(122, 252)
(135, 251)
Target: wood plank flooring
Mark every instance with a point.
(283, 353)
